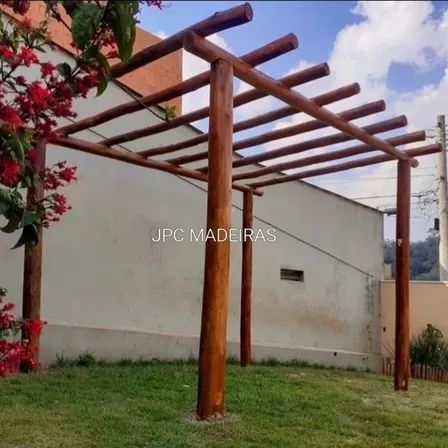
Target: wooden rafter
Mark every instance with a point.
(417, 152)
(217, 22)
(295, 79)
(312, 125)
(134, 159)
(210, 52)
(326, 98)
(256, 57)
(331, 156)
(319, 142)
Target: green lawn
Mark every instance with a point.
(268, 406)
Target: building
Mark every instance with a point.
(109, 289)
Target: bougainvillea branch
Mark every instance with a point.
(30, 108)
(16, 351)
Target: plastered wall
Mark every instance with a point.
(108, 289)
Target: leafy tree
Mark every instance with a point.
(424, 257)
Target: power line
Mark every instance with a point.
(413, 195)
(369, 179)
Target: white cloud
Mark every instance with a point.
(393, 32)
(192, 65)
(161, 34)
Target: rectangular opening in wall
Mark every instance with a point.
(291, 274)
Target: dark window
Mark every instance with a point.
(291, 274)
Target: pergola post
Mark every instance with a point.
(212, 351)
(32, 271)
(402, 276)
(246, 282)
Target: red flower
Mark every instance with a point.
(68, 174)
(11, 119)
(33, 327)
(6, 53)
(10, 172)
(47, 69)
(21, 80)
(60, 204)
(27, 57)
(84, 84)
(26, 24)
(38, 95)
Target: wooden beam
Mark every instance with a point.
(134, 159)
(297, 148)
(246, 282)
(416, 152)
(217, 22)
(405, 139)
(402, 330)
(32, 269)
(243, 98)
(212, 352)
(256, 57)
(308, 126)
(208, 51)
(325, 98)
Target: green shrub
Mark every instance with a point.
(429, 348)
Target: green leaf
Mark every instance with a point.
(102, 85)
(4, 207)
(104, 79)
(29, 236)
(86, 18)
(12, 225)
(123, 26)
(170, 112)
(29, 217)
(16, 145)
(64, 69)
(14, 216)
(5, 196)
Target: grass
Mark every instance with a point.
(152, 405)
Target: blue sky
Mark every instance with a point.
(398, 51)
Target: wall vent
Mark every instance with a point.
(291, 274)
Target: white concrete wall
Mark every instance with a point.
(110, 290)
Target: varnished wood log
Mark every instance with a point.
(312, 125)
(208, 51)
(405, 139)
(212, 351)
(402, 276)
(283, 112)
(416, 152)
(300, 77)
(32, 270)
(134, 159)
(297, 148)
(246, 283)
(217, 22)
(256, 57)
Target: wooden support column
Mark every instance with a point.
(246, 282)
(32, 271)
(212, 351)
(402, 275)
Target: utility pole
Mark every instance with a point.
(442, 200)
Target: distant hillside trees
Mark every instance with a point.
(424, 257)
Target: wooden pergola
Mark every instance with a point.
(218, 172)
